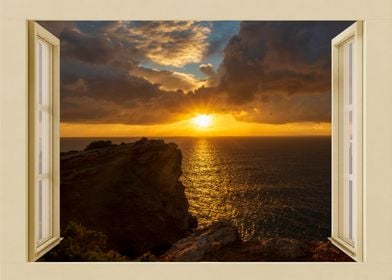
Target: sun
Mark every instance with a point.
(202, 120)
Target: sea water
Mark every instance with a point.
(265, 186)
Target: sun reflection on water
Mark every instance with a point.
(209, 181)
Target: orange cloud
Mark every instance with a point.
(174, 43)
(168, 80)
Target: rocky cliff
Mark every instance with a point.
(129, 192)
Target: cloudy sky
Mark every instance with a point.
(126, 78)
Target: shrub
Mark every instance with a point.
(82, 244)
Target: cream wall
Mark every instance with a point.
(377, 119)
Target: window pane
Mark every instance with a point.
(43, 142)
(349, 143)
(43, 215)
(350, 70)
(43, 73)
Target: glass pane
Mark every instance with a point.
(43, 215)
(43, 142)
(348, 209)
(43, 73)
(348, 213)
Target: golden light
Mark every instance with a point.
(202, 120)
(218, 125)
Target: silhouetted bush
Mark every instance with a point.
(82, 244)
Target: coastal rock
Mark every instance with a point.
(220, 242)
(279, 249)
(283, 249)
(199, 245)
(324, 251)
(129, 192)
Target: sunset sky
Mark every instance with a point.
(171, 78)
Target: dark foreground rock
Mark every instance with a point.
(219, 242)
(129, 192)
(280, 250)
(202, 243)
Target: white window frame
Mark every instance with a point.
(354, 250)
(37, 249)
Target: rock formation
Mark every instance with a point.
(202, 243)
(129, 192)
(220, 242)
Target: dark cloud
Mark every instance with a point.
(272, 72)
(278, 66)
(96, 47)
(91, 94)
(98, 50)
(57, 27)
(221, 33)
(173, 43)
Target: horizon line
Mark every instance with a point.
(201, 136)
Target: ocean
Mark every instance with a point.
(266, 186)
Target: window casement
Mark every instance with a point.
(347, 185)
(44, 141)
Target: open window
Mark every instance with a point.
(347, 190)
(44, 138)
(44, 226)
